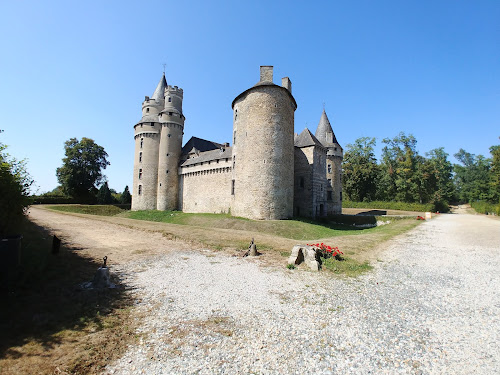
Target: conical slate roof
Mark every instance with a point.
(306, 139)
(324, 128)
(160, 89)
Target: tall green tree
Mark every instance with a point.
(126, 198)
(360, 170)
(82, 167)
(495, 173)
(439, 182)
(104, 194)
(400, 178)
(472, 178)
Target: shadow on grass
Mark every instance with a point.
(341, 222)
(43, 297)
(372, 213)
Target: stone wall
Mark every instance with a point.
(311, 184)
(206, 187)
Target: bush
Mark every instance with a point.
(15, 185)
(486, 208)
(53, 199)
(403, 206)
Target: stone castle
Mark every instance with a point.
(269, 172)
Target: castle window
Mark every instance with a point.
(152, 124)
(142, 140)
(340, 195)
(321, 187)
(232, 187)
(170, 113)
(335, 148)
(301, 182)
(234, 138)
(140, 157)
(169, 135)
(167, 170)
(330, 182)
(140, 174)
(329, 168)
(329, 195)
(234, 161)
(169, 100)
(147, 109)
(139, 191)
(168, 154)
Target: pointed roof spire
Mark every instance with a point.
(324, 128)
(306, 139)
(160, 89)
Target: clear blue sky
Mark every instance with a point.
(82, 69)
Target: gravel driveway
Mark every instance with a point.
(432, 306)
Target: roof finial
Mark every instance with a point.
(323, 106)
(164, 65)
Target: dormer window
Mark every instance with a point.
(170, 100)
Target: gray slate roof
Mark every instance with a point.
(306, 139)
(324, 127)
(200, 144)
(224, 153)
(160, 89)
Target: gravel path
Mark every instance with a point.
(432, 307)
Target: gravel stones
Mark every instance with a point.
(433, 306)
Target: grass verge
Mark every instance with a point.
(49, 325)
(101, 210)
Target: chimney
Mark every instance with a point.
(286, 83)
(266, 73)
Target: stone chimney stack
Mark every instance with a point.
(266, 73)
(286, 83)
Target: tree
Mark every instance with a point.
(441, 188)
(104, 194)
(360, 170)
(126, 198)
(15, 185)
(81, 169)
(472, 178)
(495, 173)
(400, 178)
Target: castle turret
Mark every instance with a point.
(172, 127)
(263, 151)
(334, 156)
(147, 140)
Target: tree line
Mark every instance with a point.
(404, 175)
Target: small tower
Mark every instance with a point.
(172, 128)
(334, 156)
(147, 141)
(263, 151)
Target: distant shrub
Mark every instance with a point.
(53, 199)
(486, 208)
(403, 206)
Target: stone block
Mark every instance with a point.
(304, 254)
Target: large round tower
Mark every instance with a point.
(172, 127)
(263, 150)
(147, 141)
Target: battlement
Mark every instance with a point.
(174, 90)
